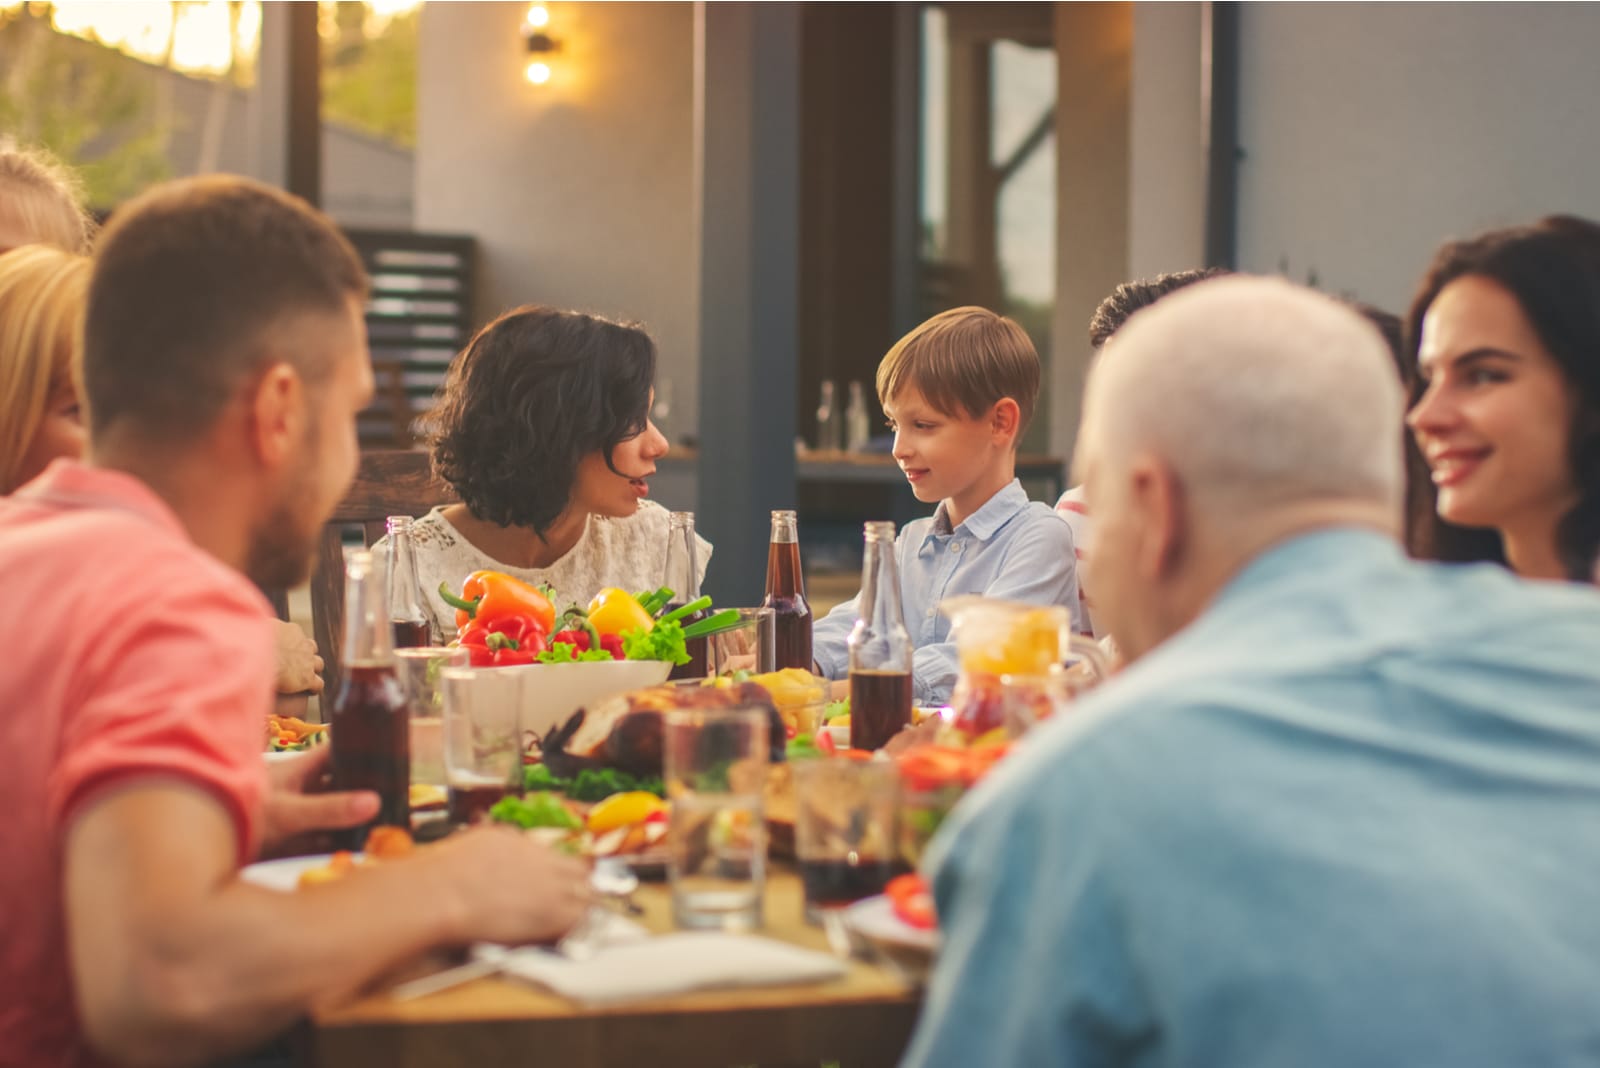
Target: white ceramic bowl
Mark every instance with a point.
(553, 692)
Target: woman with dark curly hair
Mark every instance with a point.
(543, 429)
(1506, 334)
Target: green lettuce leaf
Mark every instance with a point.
(664, 641)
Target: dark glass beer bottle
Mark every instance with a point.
(682, 577)
(786, 595)
(369, 731)
(408, 616)
(880, 648)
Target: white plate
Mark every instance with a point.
(873, 918)
(283, 875)
(276, 756)
(612, 875)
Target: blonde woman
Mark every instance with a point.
(41, 201)
(42, 296)
(42, 292)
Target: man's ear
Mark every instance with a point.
(277, 415)
(1004, 419)
(1158, 500)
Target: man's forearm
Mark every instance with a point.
(206, 983)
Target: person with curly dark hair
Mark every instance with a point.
(1505, 331)
(1108, 318)
(543, 429)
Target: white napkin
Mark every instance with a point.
(630, 969)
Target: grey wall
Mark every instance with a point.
(1373, 132)
(1166, 180)
(579, 190)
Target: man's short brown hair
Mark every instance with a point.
(189, 283)
(964, 361)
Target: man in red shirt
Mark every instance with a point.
(224, 363)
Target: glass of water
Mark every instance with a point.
(419, 670)
(482, 738)
(716, 771)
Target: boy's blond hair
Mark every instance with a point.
(43, 292)
(43, 198)
(963, 361)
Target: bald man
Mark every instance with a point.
(1342, 808)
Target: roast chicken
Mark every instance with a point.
(625, 732)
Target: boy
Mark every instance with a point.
(958, 391)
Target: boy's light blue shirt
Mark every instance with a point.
(1011, 547)
(1349, 816)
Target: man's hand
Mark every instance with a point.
(505, 886)
(290, 813)
(299, 666)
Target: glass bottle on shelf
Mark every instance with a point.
(682, 576)
(857, 425)
(408, 614)
(786, 594)
(880, 648)
(369, 731)
(829, 418)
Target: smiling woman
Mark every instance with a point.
(543, 430)
(1506, 408)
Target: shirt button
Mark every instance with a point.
(955, 546)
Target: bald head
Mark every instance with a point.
(1258, 392)
(1219, 421)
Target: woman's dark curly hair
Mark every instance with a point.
(531, 395)
(1552, 268)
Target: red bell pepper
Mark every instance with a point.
(575, 638)
(511, 639)
(612, 643)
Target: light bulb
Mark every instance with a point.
(538, 73)
(538, 16)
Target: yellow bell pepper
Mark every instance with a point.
(614, 611)
(624, 810)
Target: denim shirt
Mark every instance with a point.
(1348, 816)
(1011, 548)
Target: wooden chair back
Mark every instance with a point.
(388, 482)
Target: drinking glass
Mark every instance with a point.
(716, 769)
(482, 738)
(749, 645)
(419, 670)
(846, 836)
(1027, 700)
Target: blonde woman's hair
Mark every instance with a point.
(43, 291)
(42, 199)
(963, 361)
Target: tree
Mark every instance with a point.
(81, 101)
(369, 71)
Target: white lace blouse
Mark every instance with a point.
(629, 552)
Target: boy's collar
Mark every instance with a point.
(996, 512)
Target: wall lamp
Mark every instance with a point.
(541, 46)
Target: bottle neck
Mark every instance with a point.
(404, 586)
(880, 580)
(367, 639)
(683, 559)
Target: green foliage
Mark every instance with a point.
(370, 82)
(84, 102)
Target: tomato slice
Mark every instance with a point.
(930, 766)
(911, 901)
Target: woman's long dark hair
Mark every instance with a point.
(1552, 268)
(531, 395)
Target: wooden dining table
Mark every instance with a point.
(861, 1020)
